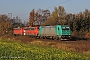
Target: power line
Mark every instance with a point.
(59, 4)
(50, 7)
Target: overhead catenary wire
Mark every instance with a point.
(59, 4)
(51, 6)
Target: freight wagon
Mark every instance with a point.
(54, 32)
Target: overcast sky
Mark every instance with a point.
(22, 8)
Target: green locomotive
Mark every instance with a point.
(55, 32)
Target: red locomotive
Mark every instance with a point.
(30, 30)
(26, 31)
(18, 31)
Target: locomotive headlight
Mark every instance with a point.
(69, 36)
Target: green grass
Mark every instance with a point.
(11, 50)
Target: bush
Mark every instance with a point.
(80, 35)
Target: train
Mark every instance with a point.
(54, 32)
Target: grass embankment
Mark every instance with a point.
(11, 50)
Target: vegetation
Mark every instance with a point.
(7, 24)
(10, 50)
(38, 17)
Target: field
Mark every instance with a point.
(82, 46)
(13, 50)
(26, 48)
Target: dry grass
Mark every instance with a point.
(78, 46)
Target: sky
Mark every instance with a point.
(22, 8)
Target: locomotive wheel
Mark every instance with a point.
(53, 38)
(43, 37)
(57, 38)
(14, 34)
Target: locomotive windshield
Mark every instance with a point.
(29, 28)
(65, 28)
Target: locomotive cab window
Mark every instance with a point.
(32, 28)
(26, 28)
(58, 28)
(65, 28)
